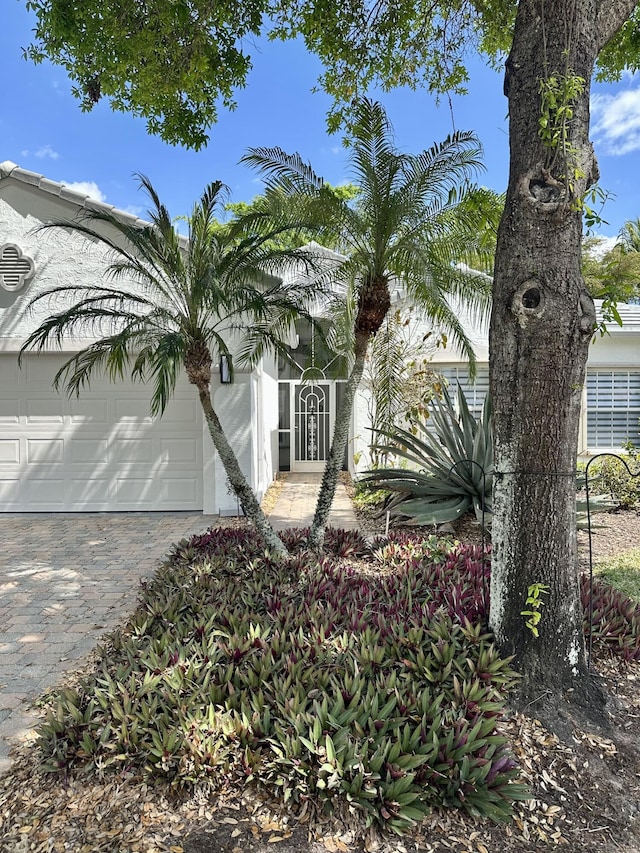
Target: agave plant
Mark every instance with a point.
(450, 468)
(450, 465)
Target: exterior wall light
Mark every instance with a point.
(226, 369)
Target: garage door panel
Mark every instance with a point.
(178, 450)
(88, 450)
(10, 451)
(91, 492)
(94, 411)
(99, 452)
(45, 411)
(9, 493)
(180, 491)
(10, 373)
(133, 491)
(46, 494)
(9, 410)
(38, 372)
(137, 410)
(181, 411)
(49, 450)
(135, 451)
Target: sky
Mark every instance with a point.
(42, 129)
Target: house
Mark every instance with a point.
(104, 452)
(611, 393)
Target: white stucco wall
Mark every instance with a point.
(268, 390)
(620, 348)
(233, 405)
(60, 258)
(358, 452)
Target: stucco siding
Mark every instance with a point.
(59, 257)
(233, 405)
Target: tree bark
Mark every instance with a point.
(243, 491)
(338, 445)
(541, 326)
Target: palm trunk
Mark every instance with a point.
(338, 447)
(241, 488)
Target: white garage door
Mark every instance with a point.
(100, 452)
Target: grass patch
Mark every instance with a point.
(623, 572)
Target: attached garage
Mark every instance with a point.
(102, 452)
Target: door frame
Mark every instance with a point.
(297, 465)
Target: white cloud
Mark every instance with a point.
(600, 246)
(46, 151)
(89, 188)
(616, 121)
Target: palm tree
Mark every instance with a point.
(629, 236)
(415, 218)
(171, 303)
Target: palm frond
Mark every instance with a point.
(282, 171)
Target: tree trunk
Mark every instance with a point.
(541, 326)
(243, 491)
(338, 445)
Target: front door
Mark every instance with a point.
(312, 425)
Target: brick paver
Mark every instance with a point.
(64, 581)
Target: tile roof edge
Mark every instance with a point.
(9, 169)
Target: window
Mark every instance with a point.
(474, 392)
(613, 407)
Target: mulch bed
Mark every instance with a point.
(586, 792)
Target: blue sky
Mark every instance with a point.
(43, 129)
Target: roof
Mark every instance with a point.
(629, 314)
(11, 171)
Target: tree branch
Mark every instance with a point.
(610, 17)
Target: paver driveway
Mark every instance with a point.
(64, 581)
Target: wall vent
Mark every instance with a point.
(15, 268)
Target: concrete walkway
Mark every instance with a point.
(65, 580)
(297, 502)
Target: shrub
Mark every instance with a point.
(366, 498)
(378, 692)
(373, 692)
(610, 476)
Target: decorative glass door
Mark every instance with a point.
(312, 425)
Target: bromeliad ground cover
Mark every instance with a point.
(360, 683)
(108, 800)
(379, 693)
